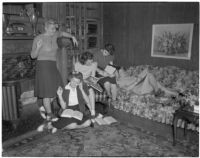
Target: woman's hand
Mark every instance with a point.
(75, 41)
(39, 44)
(81, 86)
(59, 91)
(68, 35)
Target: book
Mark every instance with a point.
(92, 81)
(110, 69)
(105, 120)
(72, 113)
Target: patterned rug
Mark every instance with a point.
(114, 140)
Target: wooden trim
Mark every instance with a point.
(160, 129)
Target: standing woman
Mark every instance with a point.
(47, 79)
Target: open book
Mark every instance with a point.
(92, 81)
(72, 113)
(105, 120)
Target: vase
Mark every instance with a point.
(33, 20)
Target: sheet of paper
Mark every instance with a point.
(110, 69)
(109, 119)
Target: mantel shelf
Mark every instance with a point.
(18, 38)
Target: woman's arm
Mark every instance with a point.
(101, 72)
(94, 69)
(37, 44)
(68, 35)
(85, 96)
(61, 100)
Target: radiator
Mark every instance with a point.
(10, 104)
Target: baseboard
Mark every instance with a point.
(164, 130)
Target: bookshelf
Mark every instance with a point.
(84, 20)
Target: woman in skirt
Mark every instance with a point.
(47, 79)
(74, 96)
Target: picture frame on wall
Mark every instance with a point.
(172, 40)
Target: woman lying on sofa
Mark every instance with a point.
(144, 83)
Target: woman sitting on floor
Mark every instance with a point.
(73, 96)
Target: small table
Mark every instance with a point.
(188, 116)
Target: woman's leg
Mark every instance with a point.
(152, 81)
(156, 85)
(107, 87)
(114, 91)
(75, 125)
(92, 101)
(47, 106)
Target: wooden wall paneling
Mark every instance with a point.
(138, 30)
(54, 10)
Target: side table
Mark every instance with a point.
(188, 116)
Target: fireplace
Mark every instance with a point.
(17, 69)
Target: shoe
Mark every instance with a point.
(99, 116)
(51, 117)
(44, 126)
(41, 128)
(93, 120)
(54, 130)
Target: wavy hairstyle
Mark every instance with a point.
(110, 48)
(75, 74)
(85, 56)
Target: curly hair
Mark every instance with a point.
(50, 21)
(110, 48)
(75, 74)
(85, 56)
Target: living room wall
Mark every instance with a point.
(129, 27)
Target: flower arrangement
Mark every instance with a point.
(172, 43)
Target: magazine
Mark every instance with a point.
(72, 113)
(105, 120)
(92, 81)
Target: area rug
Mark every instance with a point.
(116, 140)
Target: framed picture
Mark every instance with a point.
(172, 41)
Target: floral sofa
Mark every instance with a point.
(160, 108)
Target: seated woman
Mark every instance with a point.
(73, 96)
(104, 57)
(88, 68)
(145, 83)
